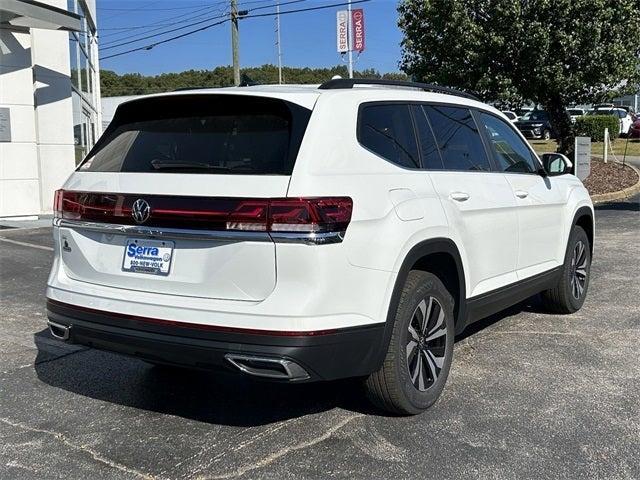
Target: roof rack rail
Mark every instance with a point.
(182, 89)
(340, 83)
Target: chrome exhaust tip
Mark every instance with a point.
(61, 332)
(277, 368)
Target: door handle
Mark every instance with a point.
(521, 194)
(459, 196)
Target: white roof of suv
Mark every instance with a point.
(307, 95)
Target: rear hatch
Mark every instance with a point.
(172, 198)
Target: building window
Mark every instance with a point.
(84, 80)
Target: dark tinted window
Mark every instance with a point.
(537, 116)
(204, 134)
(388, 131)
(428, 148)
(458, 138)
(510, 151)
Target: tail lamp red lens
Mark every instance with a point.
(305, 215)
(57, 203)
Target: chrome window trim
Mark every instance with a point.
(306, 238)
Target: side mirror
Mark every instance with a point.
(556, 164)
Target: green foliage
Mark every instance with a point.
(593, 126)
(551, 52)
(112, 84)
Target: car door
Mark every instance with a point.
(540, 200)
(625, 121)
(478, 202)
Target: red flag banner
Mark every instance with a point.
(357, 24)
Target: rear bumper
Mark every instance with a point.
(323, 355)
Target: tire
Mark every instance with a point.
(546, 135)
(571, 290)
(397, 387)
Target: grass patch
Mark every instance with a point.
(597, 148)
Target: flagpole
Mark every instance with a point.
(349, 40)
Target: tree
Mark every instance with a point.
(113, 84)
(552, 52)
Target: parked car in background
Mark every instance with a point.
(536, 125)
(521, 112)
(575, 113)
(634, 130)
(623, 116)
(510, 115)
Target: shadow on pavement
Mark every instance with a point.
(629, 205)
(532, 305)
(212, 397)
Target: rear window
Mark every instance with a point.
(218, 134)
(387, 130)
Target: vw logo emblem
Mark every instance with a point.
(140, 210)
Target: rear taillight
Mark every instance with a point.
(282, 215)
(57, 203)
(331, 214)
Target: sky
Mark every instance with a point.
(308, 38)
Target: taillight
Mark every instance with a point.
(282, 215)
(331, 214)
(57, 203)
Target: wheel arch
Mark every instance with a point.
(439, 256)
(584, 219)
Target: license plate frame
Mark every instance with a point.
(151, 260)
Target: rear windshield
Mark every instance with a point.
(220, 134)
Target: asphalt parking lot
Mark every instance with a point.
(530, 395)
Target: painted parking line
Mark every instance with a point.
(26, 244)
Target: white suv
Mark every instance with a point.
(308, 233)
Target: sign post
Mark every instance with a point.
(583, 157)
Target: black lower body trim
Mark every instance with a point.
(494, 301)
(337, 354)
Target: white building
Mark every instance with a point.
(110, 105)
(49, 98)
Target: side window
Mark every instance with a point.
(510, 151)
(431, 159)
(387, 130)
(458, 138)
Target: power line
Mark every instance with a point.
(201, 5)
(150, 46)
(110, 45)
(147, 9)
(272, 6)
(128, 42)
(123, 36)
(118, 30)
(191, 32)
(271, 14)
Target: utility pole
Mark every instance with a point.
(349, 40)
(278, 42)
(234, 42)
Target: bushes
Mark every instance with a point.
(593, 126)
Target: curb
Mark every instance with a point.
(620, 194)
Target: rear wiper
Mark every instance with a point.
(171, 165)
